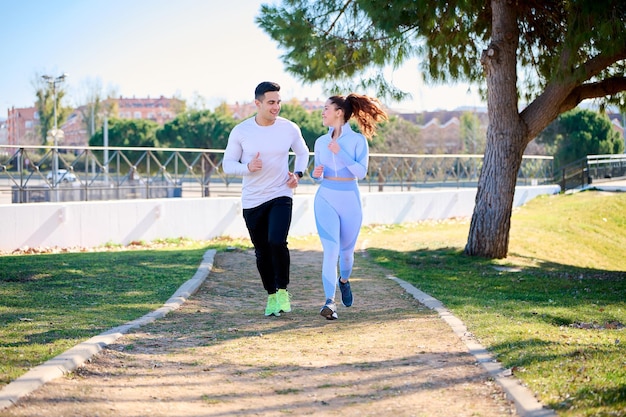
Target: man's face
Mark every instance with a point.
(269, 108)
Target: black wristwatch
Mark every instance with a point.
(299, 174)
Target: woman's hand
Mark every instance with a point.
(318, 171)
(334, 147)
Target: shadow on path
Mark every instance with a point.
(218, 355)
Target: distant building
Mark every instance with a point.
(443, 116)
(23, 126)
(442, 138)
(74, 129)
(312, 105)
(242, 111)
(23, 123)
(440, 131)
(160, 110)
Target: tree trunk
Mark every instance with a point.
(506, 140)
(491, 220)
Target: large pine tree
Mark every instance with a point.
(549, 54)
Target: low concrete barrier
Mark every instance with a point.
(93, 224)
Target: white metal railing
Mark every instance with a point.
(591, 169)
(99, 173)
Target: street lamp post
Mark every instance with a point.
(53, 82)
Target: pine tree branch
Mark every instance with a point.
(607, 87)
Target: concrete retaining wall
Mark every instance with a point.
(92, 224)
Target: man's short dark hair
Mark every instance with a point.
(263, 88)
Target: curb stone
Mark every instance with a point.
(76, 356)
(525, 402)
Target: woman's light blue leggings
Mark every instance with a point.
(338, 217)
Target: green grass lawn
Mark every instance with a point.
(553, 311)
(51, 302)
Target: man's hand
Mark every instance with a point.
(292, 182)
(256, 164)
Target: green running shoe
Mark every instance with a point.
(272, 306)
(282, 298)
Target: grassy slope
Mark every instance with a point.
(555, 316)
(585, 229)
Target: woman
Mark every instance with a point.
(341, 159)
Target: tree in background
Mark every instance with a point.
(472, 133)
(310, 123)
(44, 104)
(128, 133)
(202, 129)
(566, 51)
(578, 133)
(93, 108)
(223, 109)
(397, 136)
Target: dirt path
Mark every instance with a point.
(218, 355)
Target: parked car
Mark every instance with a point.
(63, 175)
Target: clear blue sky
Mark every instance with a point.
(141, 48)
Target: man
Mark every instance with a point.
(258, 149)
